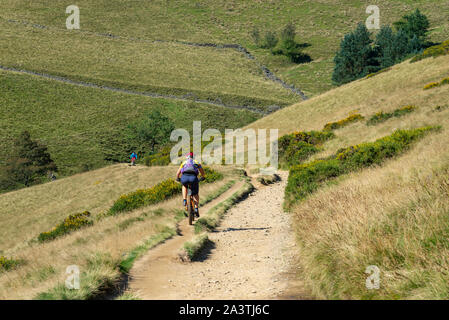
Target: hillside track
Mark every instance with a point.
(232, 46)
(120, 90)
(251, 256)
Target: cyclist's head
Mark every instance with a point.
(189, 155)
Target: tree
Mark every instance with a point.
(356, 57)
(154, 129)
(289, 47)
(414, 24)
(392, 48)
(415, 45)
(384, 47)
(402, 45)
(30, 160)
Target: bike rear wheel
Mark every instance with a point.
(190, 209)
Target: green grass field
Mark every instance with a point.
(321, 24)
(161, 67)
(81, 125)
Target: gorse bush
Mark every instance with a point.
(306, 178)
(378, 72)
(145, 197)
(431, 85)
(7, 264)
(344, 122)
(298, 146)
(211, 175)
(434, 51)
(71, 223)
(384, 116)
(436, 84)
(157, 160)
(160, 192)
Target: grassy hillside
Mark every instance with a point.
(394, 215)
(160, 67)
(97, 249)
(319, 23)
(82, 125)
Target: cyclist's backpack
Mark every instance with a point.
(190, 167)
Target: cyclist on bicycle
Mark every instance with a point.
(188, 175)
(133, 158)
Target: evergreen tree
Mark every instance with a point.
(401, 45)
(384, 47)
(415, 45)
(29, 161)
(414, 24)
(356, 57)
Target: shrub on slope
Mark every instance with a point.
(298, 146)
(306, 178)
(160, 192)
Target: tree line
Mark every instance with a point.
(360, 55)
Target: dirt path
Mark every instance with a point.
(250, 256)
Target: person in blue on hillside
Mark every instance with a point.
(188, 174)
(133, 158)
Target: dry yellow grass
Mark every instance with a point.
(394, 216)
(45, 264)
(37, 209)
(400, 86)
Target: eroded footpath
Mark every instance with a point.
(251, 256)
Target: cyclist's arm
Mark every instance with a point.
(203, 174)
(178, 173)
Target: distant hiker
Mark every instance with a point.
(133, 158)
(51, 176)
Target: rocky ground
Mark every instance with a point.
(251, 256)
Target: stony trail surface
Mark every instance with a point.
(251, 256)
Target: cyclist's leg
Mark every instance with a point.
(184, 182)
(196, 199)
(195, 194)
(184, 192)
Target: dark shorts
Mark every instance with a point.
(192, 180)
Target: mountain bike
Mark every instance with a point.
(190, 205)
